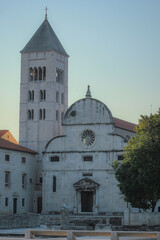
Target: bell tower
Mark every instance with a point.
(43, 89)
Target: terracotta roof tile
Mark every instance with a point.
(2, 132)
(124, 124)
(16, 147)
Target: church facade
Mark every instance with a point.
(77, 170)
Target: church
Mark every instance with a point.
(68, 151)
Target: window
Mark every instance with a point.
(7, 179)
(23, 202)
(6, 202)
(29, 96)
(31, 74)
(57, 115)
(62, 98)
(88, 158)
(42, 114)
(24, 180)
(120, 157)
(62, 116)
(35, 74)
(54, 159)
(40, 180)
(23, 159)
(44, 73)
(54, 184)
(42, 95)
(30, 180)
(59, 75)
(30, 114)
(40, 73)
(7, 157)
(87, 174)
(57, 97)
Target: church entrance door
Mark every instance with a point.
(86, 201)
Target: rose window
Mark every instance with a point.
(88, 138)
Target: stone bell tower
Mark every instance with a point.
(43, 90)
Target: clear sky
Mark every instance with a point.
(114, 46)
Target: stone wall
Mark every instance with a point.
(19, 221)
(138, 219)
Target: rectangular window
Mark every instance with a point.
(88, 158)
(7, 179)
(54, 159)
(30, 180)
(6, 202)
(120, 157)
(24, 181)
(87, 174)
(23, 202)
(23, 159)
(40, 180)
(7, 157)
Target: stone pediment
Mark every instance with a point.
(85, 184)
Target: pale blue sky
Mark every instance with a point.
(114, 45)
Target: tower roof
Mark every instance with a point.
(44, 39)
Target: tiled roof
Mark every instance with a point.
(16, 147)
(44, 39)
(124, 125)
(2, 132)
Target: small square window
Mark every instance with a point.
(54, 159)
(23, 159)
(6, 202)
(7, 157)
(88, 158)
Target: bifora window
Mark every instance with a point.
(88, 138)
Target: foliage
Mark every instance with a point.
(139, 173)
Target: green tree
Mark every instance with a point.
(139, 172)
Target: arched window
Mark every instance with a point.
(40, 73)
(57, 97)
(57, 115)
(54, 183)
(62, 116)
(44, 113)
(32, 95)
(40, 114)
(29, 114)
(41, 95)
(44, 94)
(44, 73)
(32, 114)
(31, 74)
(35, 74)
(29, 96)
(62, 98)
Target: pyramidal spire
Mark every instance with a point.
(46, 13)
(88, 93)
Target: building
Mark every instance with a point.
(5, 134)
(43, 94)
(17, 178)
(77, 168)
(75, 146)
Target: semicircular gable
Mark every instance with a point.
(87, 111)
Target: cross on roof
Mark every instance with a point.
(46, 13)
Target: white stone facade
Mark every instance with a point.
(82, 172)
(17, 181)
